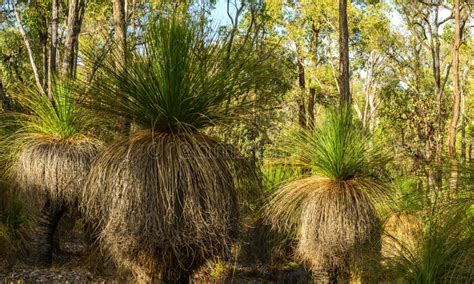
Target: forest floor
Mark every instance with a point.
(69, 274)
(75, 262)
(31, 274)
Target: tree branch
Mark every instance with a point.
(28, 48)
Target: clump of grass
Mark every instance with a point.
(166, 197)
(331, 208)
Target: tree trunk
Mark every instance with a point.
(43, 39)
(301, 98)
(463, 127)
(312, 91)
(471, 143)
(133, 25)
(452, 132)
(120, 29)
(120, 26)
(74, 23)
(456, 82)
(4, 98)
(41, 250)
(54, 45)
(28, 49)
(345, 94)
(312, 95)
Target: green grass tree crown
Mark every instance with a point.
(181, 79)
(336, 149)
(56, 116)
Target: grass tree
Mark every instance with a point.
(444, 249)
(49, 156)
(331, 208)
(166, 195)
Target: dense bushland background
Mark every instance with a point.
(409, 91)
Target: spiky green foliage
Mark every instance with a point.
(275, 175)
(56, 117)
(338, 149)
(332, 208)
(181, 80)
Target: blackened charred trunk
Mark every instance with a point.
(328, 276)
(41, 250)
(174, 275)
(170, 274)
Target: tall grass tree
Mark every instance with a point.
(331, 207)
(49, 156)
(166, 196)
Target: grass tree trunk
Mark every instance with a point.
(41, 250)
(172, 275)
(167, 276)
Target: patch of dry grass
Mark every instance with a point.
(402, 232)
(54, 170)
